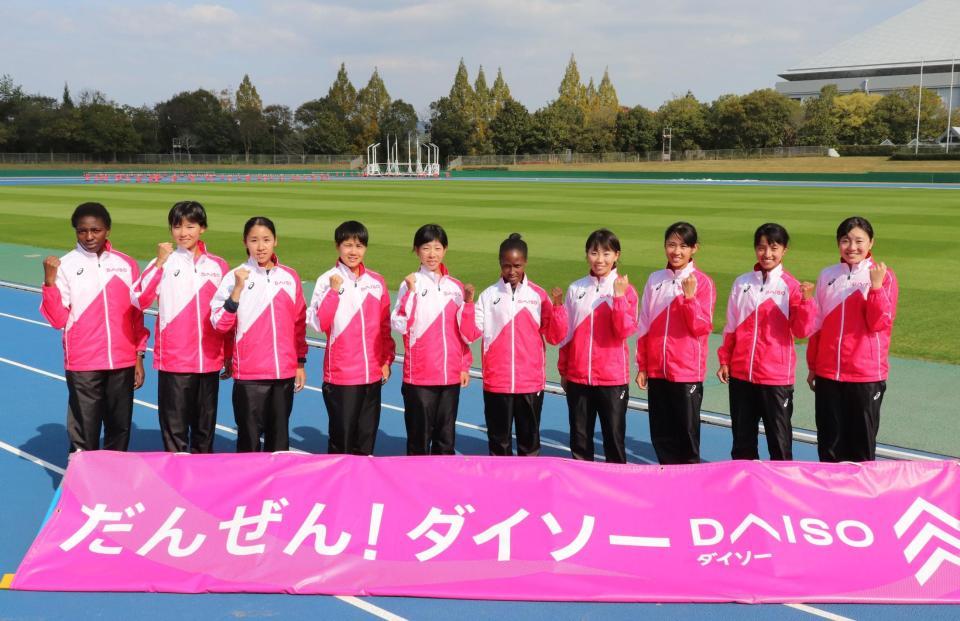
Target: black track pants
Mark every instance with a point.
(262, 407)
(354, 417)
(675, 420)
(749, 404)
(187, 404)
(502, 411)
(99, 399)
(848, 418)
(430, 414)
(587, 403)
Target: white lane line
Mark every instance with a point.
(817, 612)
(368, 607)
(547, 443)
(24, 319)
(32, 458)
(353, 601)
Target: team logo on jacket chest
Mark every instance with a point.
(176, 273)
(110, 270)
(283, 283)
(79, 271)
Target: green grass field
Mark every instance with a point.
(917, 231)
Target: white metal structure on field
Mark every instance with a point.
(426, 164)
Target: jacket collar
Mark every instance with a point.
(107, 247)
(686, 271)
(431, 275)
(600, 281)
(505, 286)
(186, 254)
(772, 275)
(255, 267)
(347, 272)
(859, 267)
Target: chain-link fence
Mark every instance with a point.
(233, 159)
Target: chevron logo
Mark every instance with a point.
(948, 543)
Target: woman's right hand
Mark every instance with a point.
(411, 282)
(241, 274)
(50, 267)
(164, 250)
(641, 380)
(812, 381)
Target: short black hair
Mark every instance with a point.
(854, 222)
(429, 233)
(90, 209)
(684, 230)
(773, 232)
(513, 242)
(603, 239)
(191, 211)
(351, 229)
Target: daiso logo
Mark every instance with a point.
(785, 529)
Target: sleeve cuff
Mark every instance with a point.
(302, 360)
(230, 306)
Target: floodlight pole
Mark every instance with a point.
(916, 147)
(950, 107)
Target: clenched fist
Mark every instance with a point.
(556, 296)
(689, 285)
(50, 267)
(411, 282)
(241, 274)
(877, 273)
(807, 289)
(336, 281)
(164, 250)
(469, 291)
(620, 286)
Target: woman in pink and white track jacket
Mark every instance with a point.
(351, 305)
(676, 318)
(847, 356)
(594, 362)
(188, 352)
(86, 293)
(436, 361)
(261, 302)
(514, 316)
(768, 307)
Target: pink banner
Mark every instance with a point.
(502, 528)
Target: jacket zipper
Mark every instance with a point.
(106, 314)
(363, 339)
(756, 326)
(196, 298)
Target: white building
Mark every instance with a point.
(888, 56)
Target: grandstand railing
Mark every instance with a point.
(345, 160)
(638, 405)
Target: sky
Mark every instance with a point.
(140, 52)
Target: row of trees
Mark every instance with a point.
(472, 119)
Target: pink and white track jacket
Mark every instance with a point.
(763, 317)
(270, 322)
(853, 337)
(513, 325)
(91, 304)
(674, 331)
(435, 350)
(356, 321)
(185, 340)
(595, 350)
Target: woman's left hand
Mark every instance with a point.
(138, 374)
(464, 379)
(300, 379)
(385, 372)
